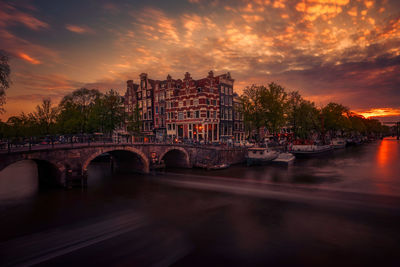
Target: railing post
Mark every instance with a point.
(8, 146)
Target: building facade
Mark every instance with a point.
(186, 109)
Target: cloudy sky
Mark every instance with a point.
(347, 51)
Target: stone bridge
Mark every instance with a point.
(62, 165)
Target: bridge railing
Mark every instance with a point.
(8, 146)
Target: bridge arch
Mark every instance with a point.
(49, 173)
(176, 156)
(144, 160)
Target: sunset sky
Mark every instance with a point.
(347, 51)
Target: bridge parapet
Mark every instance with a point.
(73, 162)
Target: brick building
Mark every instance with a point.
(186, 109)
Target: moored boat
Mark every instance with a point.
(284, 158)
(338, 143)
(218, 166)
(310, 150)
(260, 155)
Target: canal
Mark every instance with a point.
(342, 208)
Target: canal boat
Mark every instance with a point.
(260, 155)
(284, 158)
(338, 143)
(310, 150)
(218, 166)
(209, 166)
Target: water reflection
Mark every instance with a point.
(18, 181)
(387, 162)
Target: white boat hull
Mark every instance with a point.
(284, 158)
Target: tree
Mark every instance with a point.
(254, 115)
(274, 104)
(357, 124)
(335, 118)
(107, 113)
(4, 78)
(293, 105)
(46, 116)
(75, 110)
(309, 119)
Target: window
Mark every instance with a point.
(173, 126)
(156, 110)
(222, 100)
(180, 116)
(149, 102)
(139, 94)
(214, 102)
(197, 114)
(162, 110)
(196, 102)
(149, 114)
(226, 114)
(208, 114)
(157, 121)
(145, 116)
(214, 114)
(208, 101)
(188, 114)
(169, 126)
(191, 102)
(148, 93)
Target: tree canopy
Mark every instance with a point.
(5, 81)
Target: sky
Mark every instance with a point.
(345, 51)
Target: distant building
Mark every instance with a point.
(186, 109)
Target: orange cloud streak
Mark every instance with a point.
(78, 29)
(28, 58)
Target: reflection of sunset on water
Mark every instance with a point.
(387, 154)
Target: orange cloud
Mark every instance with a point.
(9, 15)
(78, 29)
(28, 58)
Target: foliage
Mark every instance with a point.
(75, 110)
(273, 103)
(4, 78)
(335, 118)
(264, 107)
(302, 115)
(107, 113)
(254, 116)
(46, 116)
